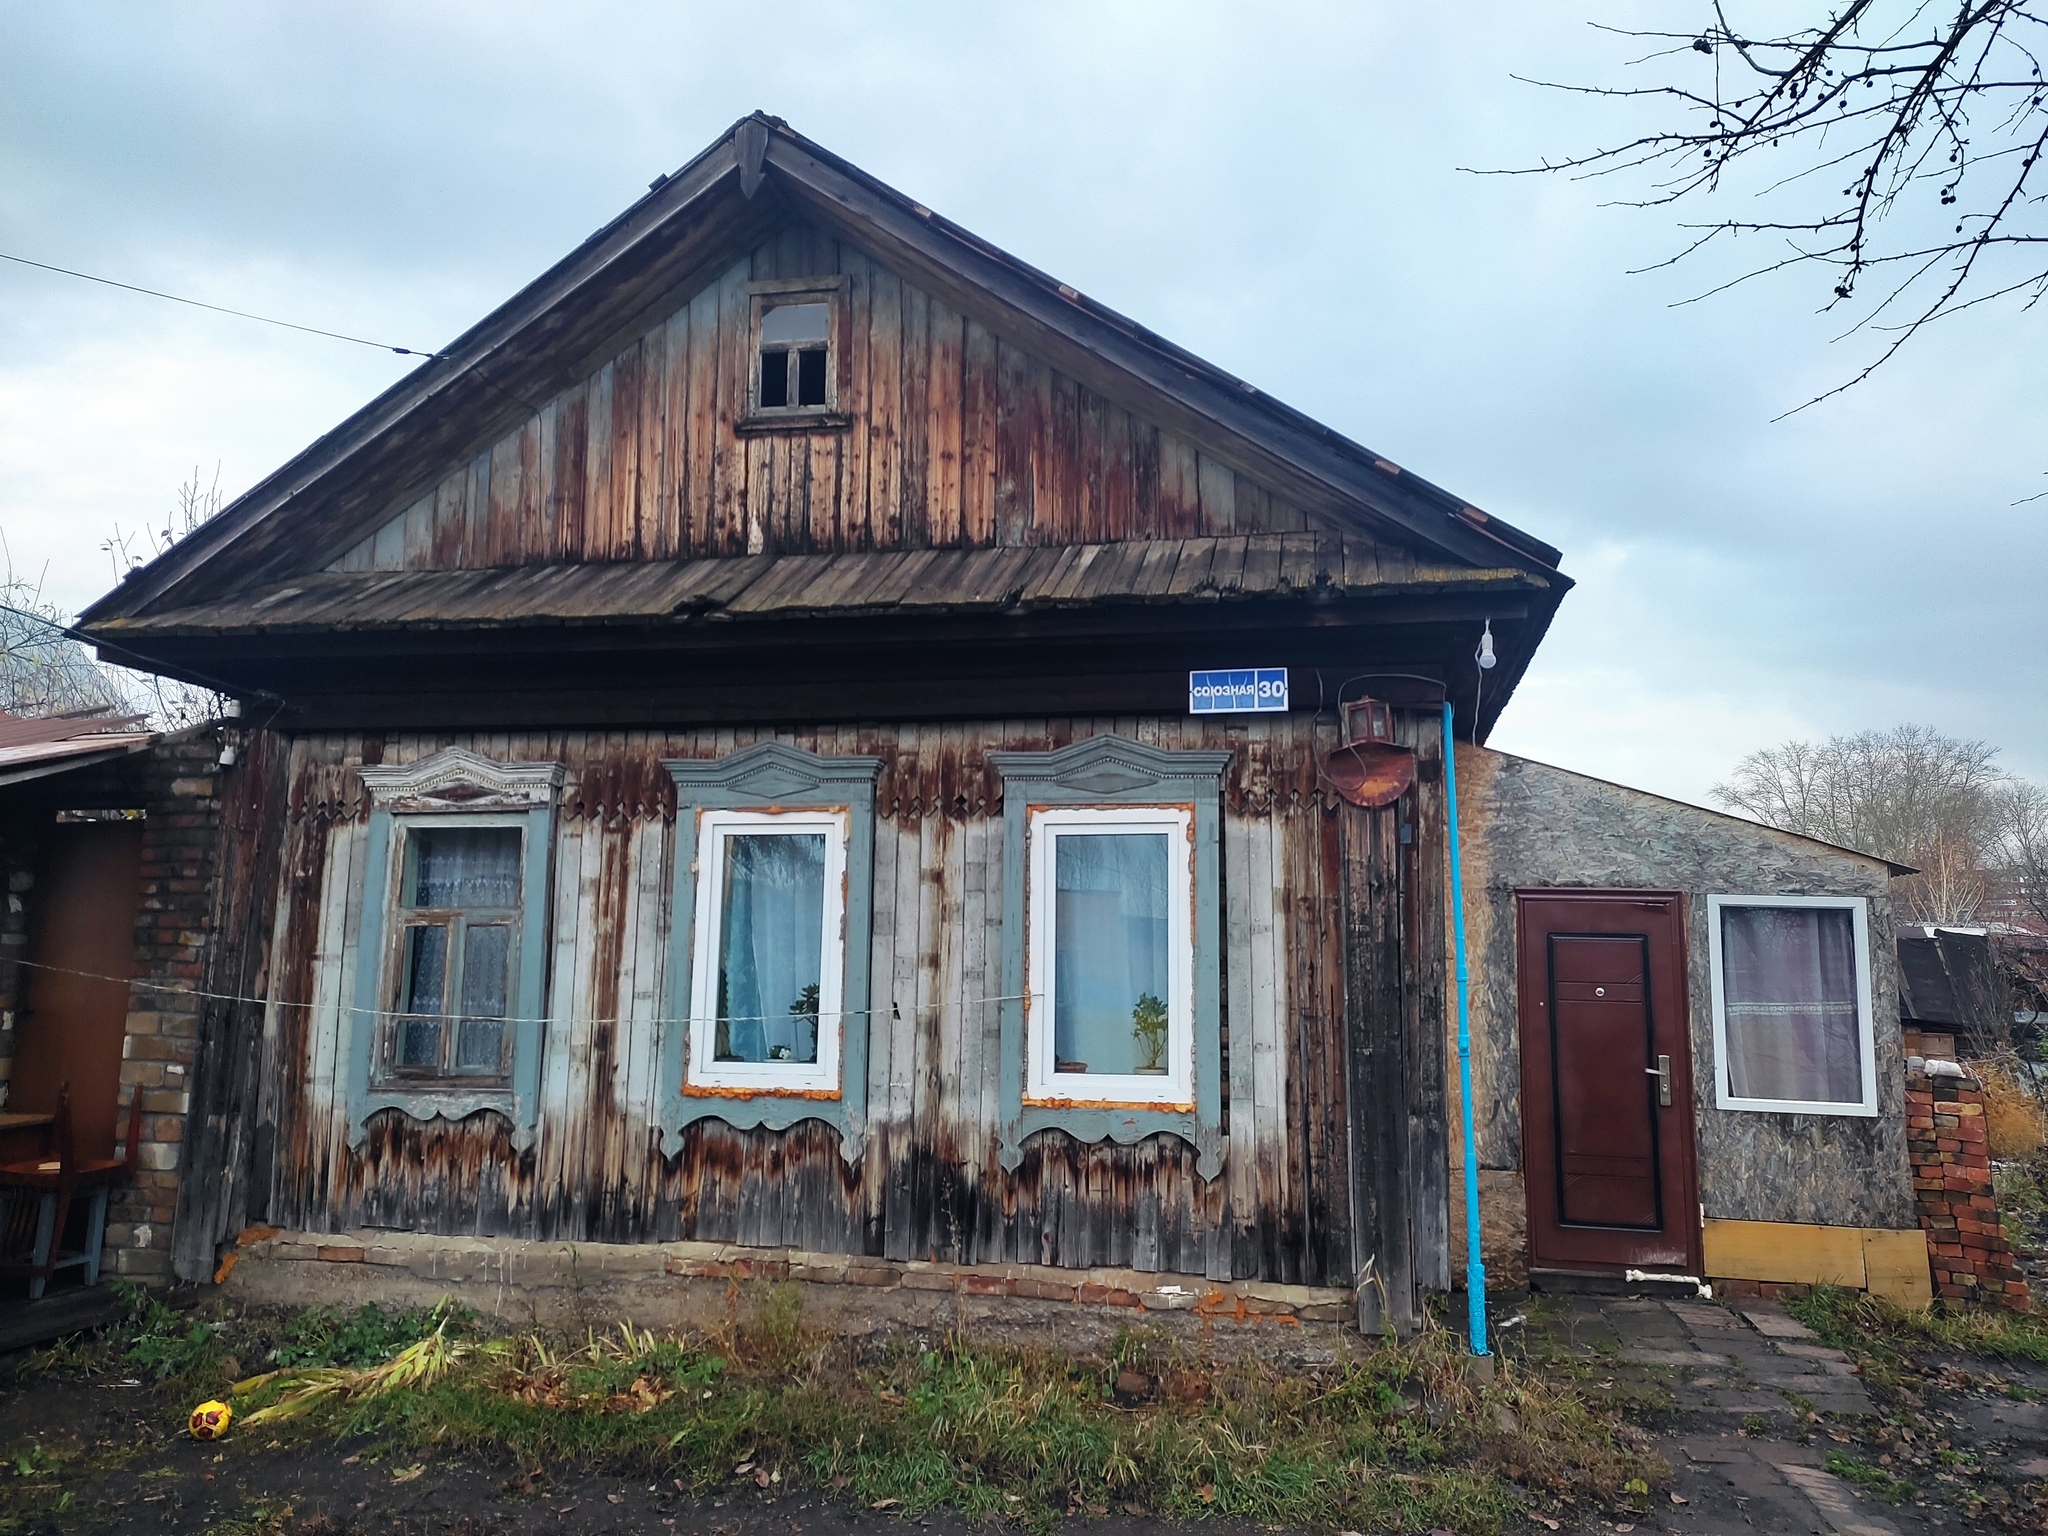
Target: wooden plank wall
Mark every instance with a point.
(1394, 910)
(930, 1184)
(958, 438)
(225, 1160)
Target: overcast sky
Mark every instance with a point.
(1282, 196)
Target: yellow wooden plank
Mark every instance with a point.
(1784, 1252)
(1895, 1264)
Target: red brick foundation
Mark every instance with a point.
(1951, 1159)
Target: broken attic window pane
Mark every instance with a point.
(771, 947)
(1789, 988)
(774, 378)
(795, 353)
(1110, 960)
(810, 384)
(789, 325)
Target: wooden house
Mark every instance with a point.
(719, 778)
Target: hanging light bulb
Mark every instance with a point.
(1486, 657)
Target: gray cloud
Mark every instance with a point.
(1277, 189)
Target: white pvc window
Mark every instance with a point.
(1792, 1013)
(769, 951)
(1110, 962)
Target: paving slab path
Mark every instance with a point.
(1758, 1418)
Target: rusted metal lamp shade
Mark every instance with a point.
(1369, 770)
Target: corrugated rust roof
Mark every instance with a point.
(1279, 565)
(33, 747)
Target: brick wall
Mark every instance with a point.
(1952, 1186)
(179, 854)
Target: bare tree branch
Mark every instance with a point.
(1909, 794)
(1938, 111)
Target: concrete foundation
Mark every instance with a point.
(696, 1287)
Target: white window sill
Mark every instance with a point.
(1798, 1107)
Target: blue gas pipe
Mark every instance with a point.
(1475, 1267)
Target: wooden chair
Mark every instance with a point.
(47, 1185)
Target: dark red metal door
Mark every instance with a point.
(1606, 1094)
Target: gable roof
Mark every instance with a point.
(756, 175)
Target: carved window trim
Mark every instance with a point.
(771, 777)
(1111, 771)
(453, 787)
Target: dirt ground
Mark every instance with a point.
(1765, 1429)
(173, 1485)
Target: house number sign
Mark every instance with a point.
(1241, 691)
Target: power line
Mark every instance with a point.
(100, 642)
(220, 309)
(337, 1007)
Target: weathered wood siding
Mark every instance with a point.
(929, 1184)
(1393, 882)
(1526, 825)
(957, 438)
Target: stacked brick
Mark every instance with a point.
(179, 844)
(1945, 1139)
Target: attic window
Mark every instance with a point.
(794, 342)
(796, 353)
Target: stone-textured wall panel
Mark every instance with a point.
(1526, 825)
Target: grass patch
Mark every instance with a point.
(1872, 1327)
(203, 1350)
(1399, 1437)
(2017, 1188)
(2013, 1124)
(1870, 1478)
(327, 1336)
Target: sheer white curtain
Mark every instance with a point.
(1111, 938)
(771, 947)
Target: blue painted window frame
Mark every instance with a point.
(453, 788)
(1112, 771)
(772, 776)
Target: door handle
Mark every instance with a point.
(1662, 1072)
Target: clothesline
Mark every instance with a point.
(392, 1013)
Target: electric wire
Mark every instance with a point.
(222, 309)
(219, 685)
(168, 989)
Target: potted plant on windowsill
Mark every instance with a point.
(1148, 1028)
